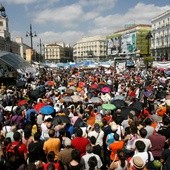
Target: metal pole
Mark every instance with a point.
(31, 35)
(40, 47)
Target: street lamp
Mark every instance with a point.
(31, 34)
(40, 45)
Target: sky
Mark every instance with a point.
(70, 20)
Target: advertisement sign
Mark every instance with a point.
(113, 46)
(128, 43)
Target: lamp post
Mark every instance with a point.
(31, 34)
(40, 45)
(148, 37)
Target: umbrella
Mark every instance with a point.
(71, 83)
(108, 106)
(119, 97)
(22, 102)
(29, 111)
(147, 93)
(10, 108)
(47, 110)
(126, 111)
(62, 88)
(72, 88)
(95, 100)
(67, 99)
(38, 106)
(63, 119)
(70, 91)
(81, 84)
(105, 90)
(20, 83)
(76, 98)
(137, 105)
(50, 83)
(119, 103)
(78, 89)
(94, 86)
(167, 102)
(36, 93)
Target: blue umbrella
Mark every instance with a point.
(28, 112)
(47, 110)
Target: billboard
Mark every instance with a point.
(128, 43)
(113, 46)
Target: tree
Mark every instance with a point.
(148, 61)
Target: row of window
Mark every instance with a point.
(163, 23)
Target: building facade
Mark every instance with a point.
(160, 41)
(23, 47)
(130, 41)
(5, 39)
(58, 52)
(93, 48)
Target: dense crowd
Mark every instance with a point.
(86, 119)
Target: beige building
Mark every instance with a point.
(58, 52)
(23, 47)
(160, 41)
(90, 48)
(54, 52)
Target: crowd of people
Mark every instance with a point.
(81, 133)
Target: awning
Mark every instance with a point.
(16, 62)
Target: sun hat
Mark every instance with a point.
(138, 162)
(67, 142)
(113, 126)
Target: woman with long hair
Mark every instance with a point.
(121, 164)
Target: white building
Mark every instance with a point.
(90, 48)
(160, 41)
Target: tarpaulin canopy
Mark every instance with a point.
(16, 62)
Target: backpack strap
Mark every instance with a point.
(17, 146)
(149, 156)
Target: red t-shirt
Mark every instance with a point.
(22, 147)
(80, 144)
(56, 164)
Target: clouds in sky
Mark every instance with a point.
(85, 17)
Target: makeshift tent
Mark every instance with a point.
(16, 62)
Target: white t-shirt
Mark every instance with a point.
(99, 136)
(143, 156)
(86, 157)
(44, 131)
(147, 143)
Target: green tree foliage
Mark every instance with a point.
(148, 61)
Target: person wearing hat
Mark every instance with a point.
(136, 163)
(65, 153)
(140, 145)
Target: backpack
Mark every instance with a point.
(13, 156)
(149, 164)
